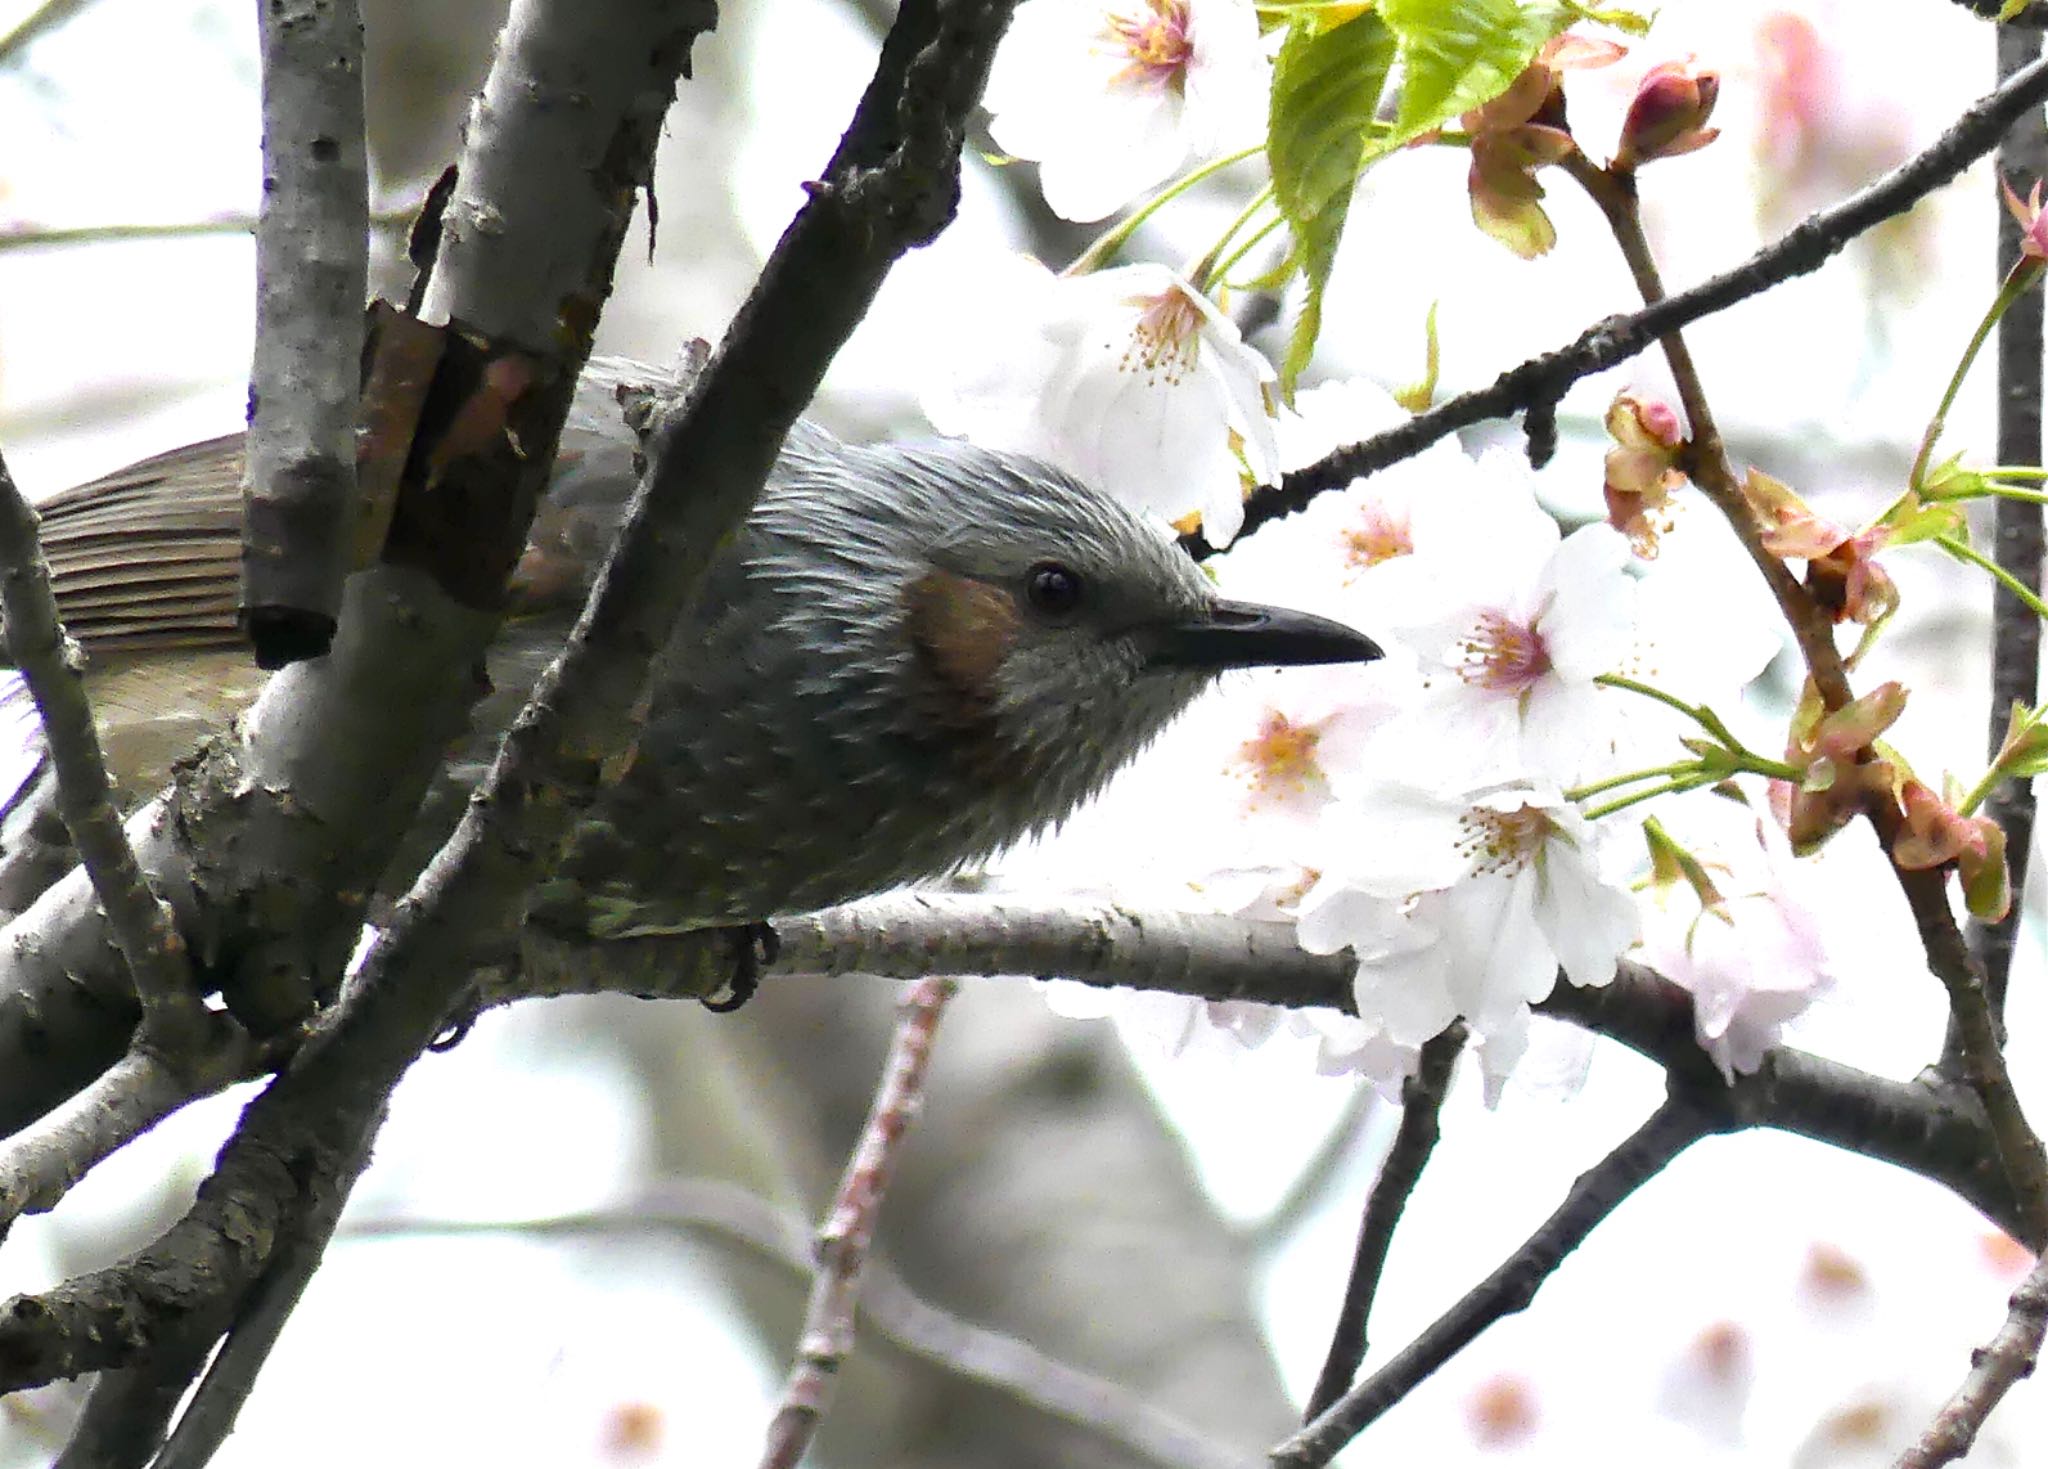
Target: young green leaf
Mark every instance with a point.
(1326, 91)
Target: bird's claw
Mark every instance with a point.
(754, 946)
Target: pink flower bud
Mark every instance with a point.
(1668, 115)
(1642, 469)
(2033, 230)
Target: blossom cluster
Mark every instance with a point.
(1541, 781)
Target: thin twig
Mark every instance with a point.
(1706, 455)
(1670, 1130)
(2016, 537)
(1542, 380)
(889, 1310)
(173, 1019)
(1994, 1369)
(1422, 1100)
(825, 1339)
(312, 272)
(58, 237)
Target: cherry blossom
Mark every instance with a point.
(1110, 97)
(1510, 639)
(1464, 907)
(1736, 921)
(1129, 378)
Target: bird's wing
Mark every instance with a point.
(149, 557)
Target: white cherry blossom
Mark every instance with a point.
(1511, 642)
(1129, 378)
(1464, 907)
(1751, 948)
(1110, 97)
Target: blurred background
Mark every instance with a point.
(1181, 1227)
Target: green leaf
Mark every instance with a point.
(1629, 22)
(1326, 90)
(1456, 54)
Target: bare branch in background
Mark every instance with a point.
(889, 1310)
(825, 1339)
(312, 273)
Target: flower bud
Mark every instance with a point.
(2033, 230)
(1642, 468)
(1668, 114)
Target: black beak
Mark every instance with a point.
(1246, 635)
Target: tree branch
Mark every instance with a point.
(312, 273)
(1542, 381)
(2016, 538)
(825, 1338)
(1422, 1100)
(1994, 1370)
(707, 464)
(172, 1017)
(1670, 1130)
(1928, 1127)
(888, 1309)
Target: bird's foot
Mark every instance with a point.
(459, 1022)
(754, 945)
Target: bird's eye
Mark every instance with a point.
(1053, 590)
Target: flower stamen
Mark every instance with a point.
(1380, 534)
(1502, 655)
(1280, 760)
(1167, 337)
(1503, 841)
(1156, 40)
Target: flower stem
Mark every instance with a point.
(1660, 772)
(1251, 242)
(1675, 788)
(1203, 271)
(1965, 552)
(1113, 239)
(2017, 280)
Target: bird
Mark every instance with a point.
(911, 655)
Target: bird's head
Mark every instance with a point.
(1051, 631)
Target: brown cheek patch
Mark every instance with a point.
(962, 630)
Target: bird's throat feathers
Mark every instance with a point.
(960, 632)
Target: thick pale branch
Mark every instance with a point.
(1927, 1127)
(312, 272)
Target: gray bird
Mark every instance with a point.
(911, 656)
